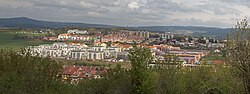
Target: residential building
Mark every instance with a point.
(166, 35)
(76, 31)
(75, 73)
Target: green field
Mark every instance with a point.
(6, 41)
(212, 56)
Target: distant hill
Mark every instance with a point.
(195, 30)
(24, 22)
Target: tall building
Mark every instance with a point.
(166, 35)
(143, 34)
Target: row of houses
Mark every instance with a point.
(74, 73)
(68, 36)
(121, 38)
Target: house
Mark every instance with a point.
(125, 47)
(166, 48)
(64, 36)
(188, 59)
(100, 44)
(52, 39)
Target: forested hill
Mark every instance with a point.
(194, 30)
(24, 22)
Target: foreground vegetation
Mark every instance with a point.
(22, 74)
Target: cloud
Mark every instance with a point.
(94, 14)
(87, 5)
(131, 12)
(133, 5)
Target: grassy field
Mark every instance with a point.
(212, 56)
(6, 41)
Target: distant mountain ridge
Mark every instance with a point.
(24, 22)
(196, 30)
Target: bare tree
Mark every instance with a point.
(237, 53)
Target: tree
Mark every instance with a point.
(23, 73)
(170, 77)
(120, 80)
(116, 81)
(238, 52)
(109, 43)
(142, 78)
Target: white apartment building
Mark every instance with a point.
(76, 31)
(64, 36)
(166, 36)
(143, 34)
(75, 51)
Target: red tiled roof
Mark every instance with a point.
(81, 71)
(92, 72)
(82, 75)
(70, 70)
(150, 47)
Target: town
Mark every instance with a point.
(114, 47)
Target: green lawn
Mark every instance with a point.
(212, 56)
(6, 41)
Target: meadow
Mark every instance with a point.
(7, 41)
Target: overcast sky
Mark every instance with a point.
(219, 13)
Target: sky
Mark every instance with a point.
(215, 13)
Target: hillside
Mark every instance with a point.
(195, 30)
(23, 22)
